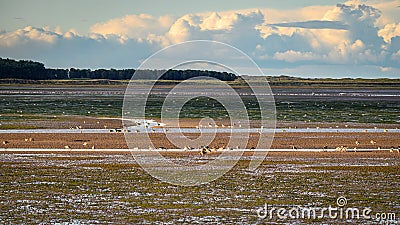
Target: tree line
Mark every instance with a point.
(30, 70)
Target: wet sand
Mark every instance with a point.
(281, 140)
(88, 122)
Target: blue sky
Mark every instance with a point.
(308, 38)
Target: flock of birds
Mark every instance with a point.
(342, 148)
(203, 150)
(84, 144)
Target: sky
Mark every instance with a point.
(307, 38)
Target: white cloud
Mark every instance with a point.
(226, 27)
(345, 34)
(69, 49)
(390, 11)
(389, 31)
(26, 34)
(294, 56)
(134, 26)
(396, 56)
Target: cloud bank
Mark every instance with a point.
(349, 39)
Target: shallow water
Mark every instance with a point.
(293, 104)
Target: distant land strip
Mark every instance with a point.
(30, 72)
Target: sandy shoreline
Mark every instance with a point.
(20, 121)
(282, 140)
(299, 140)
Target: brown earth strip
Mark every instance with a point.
(281, 140)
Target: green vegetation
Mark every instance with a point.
(288, 81)
(30, 70)
(113, 189)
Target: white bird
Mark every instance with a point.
(67, 147)
(342, 149)
(84, 143)
(373, 142)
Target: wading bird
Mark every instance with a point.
(204, 150)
